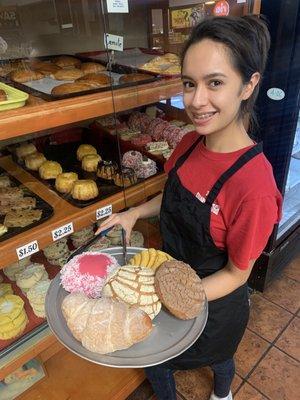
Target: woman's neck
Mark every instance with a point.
(228, 140)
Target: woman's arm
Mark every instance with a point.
(226, 280)
(128, 218)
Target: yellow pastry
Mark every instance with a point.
(150, 258)
(5, 288)
(90, 162)
(64, 182)
(15, 332)
(50, 170)
(10, 308)
(34, 161)
(85, 189)
(85, 149)
(14, 324)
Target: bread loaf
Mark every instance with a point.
(104, 325)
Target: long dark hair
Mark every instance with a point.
(248, 41)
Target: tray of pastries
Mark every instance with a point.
(126, 316)
(20, 208)
(63, 76)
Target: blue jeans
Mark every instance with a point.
(163, 382)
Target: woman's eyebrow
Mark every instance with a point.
(208, 76)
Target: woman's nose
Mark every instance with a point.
(200, 96)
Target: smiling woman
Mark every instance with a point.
(220, 202)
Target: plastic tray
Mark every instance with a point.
(169, 337)
(15, 98)
(47, 210)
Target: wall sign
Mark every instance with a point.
(113, 42)
(181, 18)
(117, 6)
(9, 17)
(276, 94)
(221, 9)
(27, 250)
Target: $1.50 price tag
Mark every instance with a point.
(103, 212)
(62, 231)
(27, 250)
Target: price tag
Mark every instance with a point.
(27, 250)
(103, 212)
(113, 42)
(117, 6)
(62, 231)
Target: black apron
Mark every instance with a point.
(185, 229)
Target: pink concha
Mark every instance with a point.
(87, 273)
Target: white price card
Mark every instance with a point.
(113, 42)
(241, 1)
(117, 6)
(62, 231)
(27, 250)
(103, 212)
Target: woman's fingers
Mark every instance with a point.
(108, 223)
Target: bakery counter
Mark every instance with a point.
(35, 118)
(64, 212)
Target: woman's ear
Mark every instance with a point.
(250, 86)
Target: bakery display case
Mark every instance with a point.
(80, 155)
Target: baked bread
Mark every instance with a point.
(98, 79)
(25, 75)
(105, 325)
(64, 182)
(85, 149)
(135, 77)
(34, 161)
(84, 189)
(3, 95)
(150, 258)
(25, 149)
(50, 170)
(107, 170)
(66, 62)
(67, 74)
(92, 68)
(134, 285)
(90, 162)
(22, 218)
(73, 87)
(180, 289)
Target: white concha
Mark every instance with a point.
(105, 325)
(134, 285)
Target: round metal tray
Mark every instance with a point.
(169, 338)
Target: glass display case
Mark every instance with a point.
(137, 55)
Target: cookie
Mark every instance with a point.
(30, 276)
(22, 218)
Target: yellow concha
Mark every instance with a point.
(14, 324)
(14, 332)
(150, 258)
(5, 288)
(10, 308)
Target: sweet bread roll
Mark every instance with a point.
(90, 162)
(105, 325)
(75, 87)
(25, 75)
(3, 95)
(99, 79)
(34, 161)
(67, 74)
(64, 182)
(85, 149)
(24, 150)
(92, 67)
(48, 69)
(66, 61)
(50, 170)
(84, 189)
(134, 78)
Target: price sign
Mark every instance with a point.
(103, 212)
(113, 42)
(62, 231)
(27, 250)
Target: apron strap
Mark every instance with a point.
(186, 155)
(240, 162)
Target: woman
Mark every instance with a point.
(220, 202)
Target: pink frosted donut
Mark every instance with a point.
(87, 273)
(132, 159)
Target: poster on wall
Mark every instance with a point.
(9, 17)
(187, 17)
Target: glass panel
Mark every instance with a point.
(291, 203)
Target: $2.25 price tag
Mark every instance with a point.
(27, 250)
(62, 231)
(103, 212)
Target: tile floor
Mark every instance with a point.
(268, 358)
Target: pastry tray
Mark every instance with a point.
(15, 98)
(42, 87)
(47, 210)
(132, 58)
(169, 338)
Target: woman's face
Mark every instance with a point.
(212, 88)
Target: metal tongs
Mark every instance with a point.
(124, 244)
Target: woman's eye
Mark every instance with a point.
(215, 83)
(188, 84)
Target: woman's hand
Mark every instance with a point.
(126, 219)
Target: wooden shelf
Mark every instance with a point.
(64, 212)
(30, 119)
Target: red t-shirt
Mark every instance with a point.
(248, 205)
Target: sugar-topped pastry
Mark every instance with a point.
(87, 273)
(13, 318)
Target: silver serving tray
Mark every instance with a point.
(169, 337)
